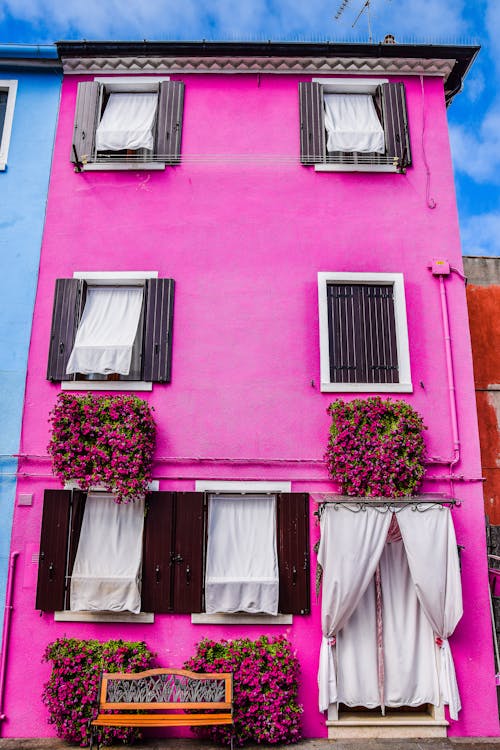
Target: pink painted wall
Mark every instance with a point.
(244, 241)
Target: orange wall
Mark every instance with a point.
(484, 316)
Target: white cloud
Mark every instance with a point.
(481, 234)
(153, 19)
(475, 86)
(477, 154)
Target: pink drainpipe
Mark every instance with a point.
(455, 458)
(6, 630)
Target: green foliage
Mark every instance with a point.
(72, 690)
(376, 448)
(265, 689)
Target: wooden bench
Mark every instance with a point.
(162, 696)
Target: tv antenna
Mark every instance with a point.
(365, 8)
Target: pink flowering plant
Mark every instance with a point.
(71, 692)
(376, 447)
(265, 689)
(103, 440)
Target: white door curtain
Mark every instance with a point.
(127, 122)
(419, 583)
(107, 329)
(242, 560)
(352, 124)
(107, 569)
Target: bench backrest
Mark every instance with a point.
(161, 689)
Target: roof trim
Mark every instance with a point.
(450, 61)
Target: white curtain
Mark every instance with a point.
(107, 569)
(350, 548)
(127, 122)
(421, 605)
(107, 329)
(242, 561)
(352, 124)
(409, 655)
(431, 548)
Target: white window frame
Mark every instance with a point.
(11, 88)
(352, 86)
(127, 85)
(117, 278)
(397, 281)
(242, 488)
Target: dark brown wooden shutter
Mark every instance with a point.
(395, 115)
(188, 553)
(293, 553)
(362, 333)
(53, 550)
(69, 300)
(78, 500)
(86, 118)
(156, 592)
(312, 128)
(169, 129)
(157, 348)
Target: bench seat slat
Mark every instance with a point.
(161, 720)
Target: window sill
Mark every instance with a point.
(3, 166)
(142, 617)
(105, 385)
(150, 166)
(366, 388)
(358, 168)
(240, 619)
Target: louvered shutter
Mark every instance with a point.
(50, 593)
(293, 553)
(379, 333)
(4, 95)
(362, 333)
(86, 119)
(69, 300)
(312, 129)
(78, 500)
(188, 553)
(396, 123)
(156, 591)
(157, 347)
(169, 127)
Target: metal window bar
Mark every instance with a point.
(418, 503)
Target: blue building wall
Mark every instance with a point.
(23, 194)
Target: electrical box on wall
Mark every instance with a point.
(440, 267)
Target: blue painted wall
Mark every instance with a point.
(23, 194)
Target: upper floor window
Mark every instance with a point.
(363, 333)
(127, 123)
(354, 125)
(111, 331)
(8, 90)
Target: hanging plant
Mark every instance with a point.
(376, 448)
(103, 440)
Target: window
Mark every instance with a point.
(111, 331)
(8, 90)
(354, 125)
(174, 552)
(363, 333)
(127, 123)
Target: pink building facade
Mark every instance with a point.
(242, 209)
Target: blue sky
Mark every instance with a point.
(474, 116)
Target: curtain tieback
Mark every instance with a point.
(332, 641)
(439, 641)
